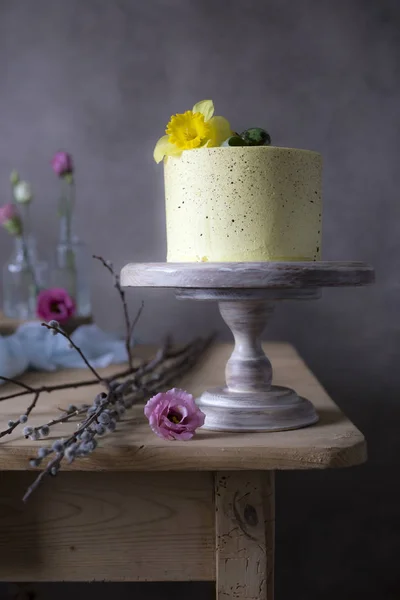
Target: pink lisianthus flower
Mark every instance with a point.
(174, 415)
(10, 219)
(62, 164)
(55, 304)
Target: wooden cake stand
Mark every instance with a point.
(246, 294)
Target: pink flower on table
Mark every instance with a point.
(55, 304)
(62, 164)
(174, 415)
(10, 219)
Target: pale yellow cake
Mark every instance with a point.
(243, 204)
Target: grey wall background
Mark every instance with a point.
(101, 79)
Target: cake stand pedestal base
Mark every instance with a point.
(250, 402)
(277, 409)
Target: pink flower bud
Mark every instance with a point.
(174, 415)
(62, 164)
(7, 212)
(10, 219)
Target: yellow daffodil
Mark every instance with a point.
(195, 128)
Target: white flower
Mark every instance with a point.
(23, 192)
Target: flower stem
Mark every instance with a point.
(29, 265)
(66, 252)
(26, 218)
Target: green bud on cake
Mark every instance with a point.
(256, 136)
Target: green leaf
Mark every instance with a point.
(13, 226)
(235, 140)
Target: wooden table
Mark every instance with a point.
(143, 509)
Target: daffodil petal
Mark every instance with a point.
(220, 131)
(165, 148)
(206, 108)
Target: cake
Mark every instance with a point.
(238, 202)
(249, 204)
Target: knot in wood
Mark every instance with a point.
(250, 515)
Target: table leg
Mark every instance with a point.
(244, 523)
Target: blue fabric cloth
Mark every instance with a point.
(34, 347)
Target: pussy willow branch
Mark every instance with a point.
(55, 462)
(159, 381)
(60, 386)
(129, 327)
(28, 411)
(182, 361)
(65, 417)
(56, 329)
(165, 353)
(134, 390)
(28, 389)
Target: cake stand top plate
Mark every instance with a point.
(249, 275)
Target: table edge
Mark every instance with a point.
(136, 459)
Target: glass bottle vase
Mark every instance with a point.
(21, 281)
(72, 267)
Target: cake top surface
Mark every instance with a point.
(248, 150)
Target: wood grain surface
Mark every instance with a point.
(333, 442)
(282, 275)
(108, 527)
(245, 523)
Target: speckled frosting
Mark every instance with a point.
(243, 204)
